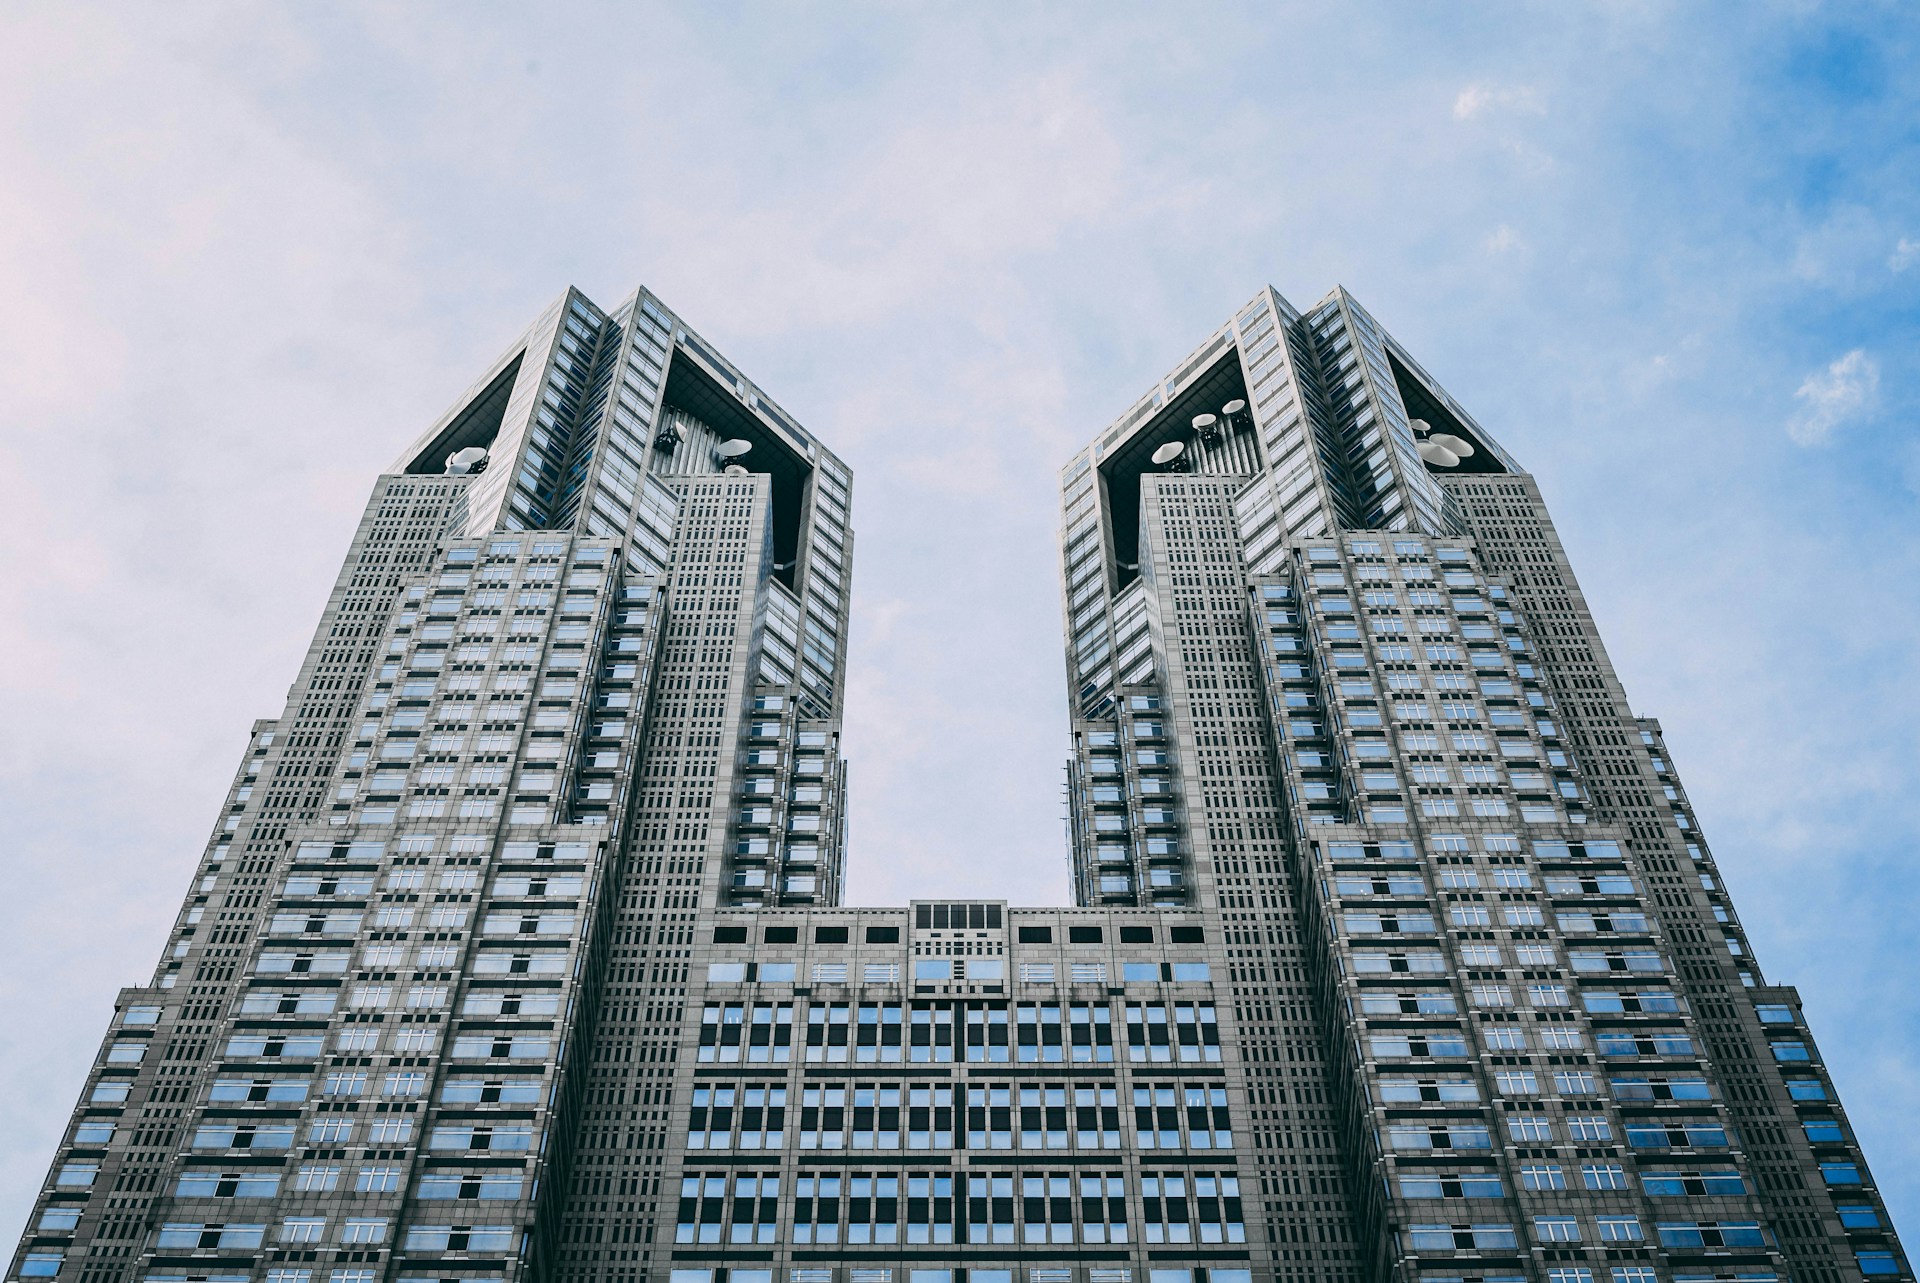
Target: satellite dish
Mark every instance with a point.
(1420, 427)
(1169, 452)
(732, 449)
(1207, 426)
(1447, 441)
(1233, 407)
(471, 459)
(1438, 455)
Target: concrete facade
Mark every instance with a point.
(519, 950)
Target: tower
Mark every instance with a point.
(519, 949)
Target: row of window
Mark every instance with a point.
(936, 970)
(227, 1237)
(884, 1116)
(973, 1031)
(859, 1208)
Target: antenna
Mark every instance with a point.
(1169, 452)
(1208, 426)
(1438, 455)
(732, 449)
(1447, 441)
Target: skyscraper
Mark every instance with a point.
(518, 951)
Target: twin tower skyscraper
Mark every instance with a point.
(519, 951)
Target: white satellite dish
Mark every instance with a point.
(1420, 427)
(1207, 426)
(1438, 455)
(467, 460)
(1169, 452)
(735, 470)
(1447, 441)
(732, 449)
(1232, 408)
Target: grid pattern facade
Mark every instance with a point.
(519, 952)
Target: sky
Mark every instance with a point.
(1668, 254)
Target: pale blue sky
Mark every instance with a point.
(1668, 254)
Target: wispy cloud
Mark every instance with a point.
(1831, 397)
(1485, 99)
(1906, 252)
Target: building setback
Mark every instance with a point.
(519, 949)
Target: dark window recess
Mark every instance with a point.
(1036, 935)
(729, 935)
(1136, 935)
(883, 935)
(1084, 935)
(829, 935)
(1186, 935)
(783, 935)
(957, 917)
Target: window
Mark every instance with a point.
(460, 1238)
(207, 1183)
(441, 1184)
(1700, 1234)
(77, 1175)
(1604, 1176)
(1529, 1130)
(1449, 1185)
(198, 1235)
(1461, 1238)
(1574, 1082)
(1619, 1229)
(1462, 1136)
(377, 1180)
(1542, 1176)
(1589, 1128)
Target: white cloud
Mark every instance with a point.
(1905, 254)
(1503, 240)
(1483, 99)
(1831, 396)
